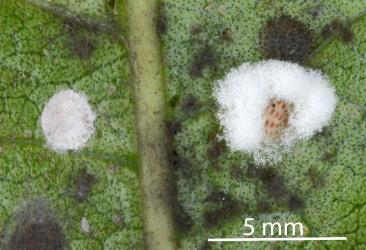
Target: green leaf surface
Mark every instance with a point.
(47, 46)
(326, 174)
(38, 57)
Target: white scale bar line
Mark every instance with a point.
(276, 239)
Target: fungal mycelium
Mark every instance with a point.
(267, 106)
(67, 121)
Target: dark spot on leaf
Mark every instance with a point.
(111, 4)
(237, 172)
(204, 57)
(227, 35)
(78, 44)
(337, 28)
(315, 177)
(221, 206)
(315, 12)
(216, 148)
(83, 48)
(36, 229)
(181, 163)
(173, 101)
(218, 197)
(47, 236)
(272, 181)
(70, 27)
(263, 206)
(84, 184)
(206, 246)
(287, 39)
(252, 171)
(190, 104)
(118, 219)
(195, 29)
(229, 209)
(347, 35)
(162, 21)
(329, 155)
(183, 220)
(322, 134)
(173, 127)
(295, 202)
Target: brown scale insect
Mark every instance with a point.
(276, 118)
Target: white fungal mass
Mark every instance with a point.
(67, 121)
(246, 96)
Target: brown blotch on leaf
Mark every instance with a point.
(181, 163)
(216, 148)
(162, 21)
(315, 12)
(263, 206)
(224, 207)
(79, 44)
(273, 183)
(118, 219)
(295, 202)
(83, 48)
(227, 35)
(71, 27)
(36, 229)
(195, 29)
(315, 177)
(45, 236)
(206, 246)
(84, 184)
(190, 104)
(203, 58)
(183, 220)
(285, 38)
(173, 127)
(337, 28)
(111, 4)
(218, 197)
(237, 172)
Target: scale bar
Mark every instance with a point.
(276, 239)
